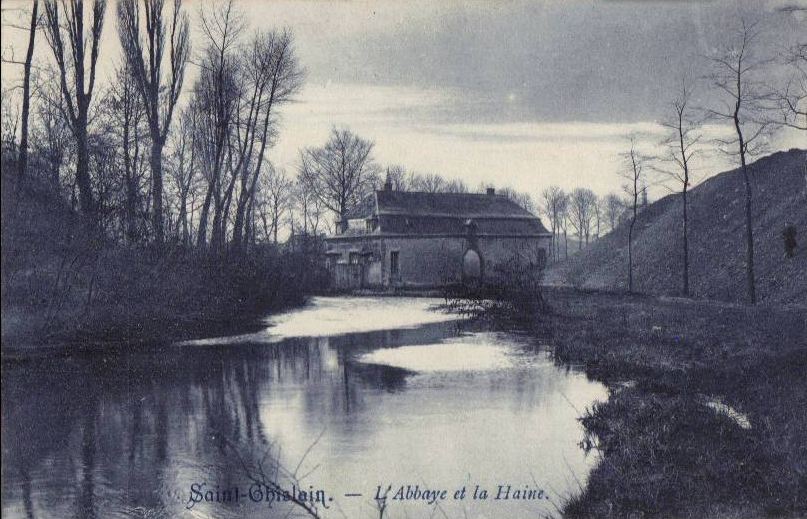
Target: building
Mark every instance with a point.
(412, 239)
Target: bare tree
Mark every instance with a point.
(522, 199)
(429, 183)
(309, 207)
(599, 214)
(634, 188)
(398, 179)
(683, 135)
(455, 186)
(552, 201)
(582, 203)
(215, 94)
(792, 96)
(735, 73)
(145, 44)
(274, 77)
(424, 182)
(614, 207)
(183, 167)
(341, 172)
(563, 218)
(76, 76)
(278, 195)
(26, 89)
(273, 201)
(128, 112)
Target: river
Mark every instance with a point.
(338, 402)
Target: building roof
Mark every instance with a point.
(407, 212)
(458, 205)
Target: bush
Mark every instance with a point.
(512, 290)
(117, 293)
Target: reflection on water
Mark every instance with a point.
(126, 434)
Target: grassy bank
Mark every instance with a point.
(119, 295)
(708, 407)
(716, 240)
(67, 282)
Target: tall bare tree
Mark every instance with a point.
(148, 44)
(183, 167)
(634, 188)
(683, 135)
(26, 88)
(736, 73)
(129, 114)
(563, 218)
(215, 95)
(614, 207)
(77, 76)
(274, 76)
(582, 204)
(599, 215)
(341, 172)
(792, 96)
(277, 197)
(552, 200)
(309, 208)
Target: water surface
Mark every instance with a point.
(344, 396)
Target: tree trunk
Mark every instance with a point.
(26, 91)
(131, 196)
(183, 215)
(686, 242)
(630, 232)
(630, 253)
(201, 236)
(157, 188)
(566, 243)
(238, 224)
(83, 171)
(749, 236)
(749, 230)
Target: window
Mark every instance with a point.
(353, 258)
(394, 267)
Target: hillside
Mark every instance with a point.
(716, 238)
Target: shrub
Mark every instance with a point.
(512, 290)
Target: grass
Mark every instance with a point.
(130, 295)
(663, 450)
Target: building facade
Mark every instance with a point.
(413, 239)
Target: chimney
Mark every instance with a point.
(491, 191)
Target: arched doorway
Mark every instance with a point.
(471, 265)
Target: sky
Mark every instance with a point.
(510, 93)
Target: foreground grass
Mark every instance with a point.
(708, 409)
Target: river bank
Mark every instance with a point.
(707, 409)
(131, 296)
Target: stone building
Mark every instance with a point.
(413, 239)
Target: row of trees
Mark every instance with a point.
(581, 211)
(145, 159)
